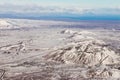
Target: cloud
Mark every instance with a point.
(35, 9)
(49, 10)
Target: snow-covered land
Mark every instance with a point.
(58, 50)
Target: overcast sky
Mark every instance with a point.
(80, 3)
(97, 7)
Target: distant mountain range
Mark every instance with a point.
(58, 16)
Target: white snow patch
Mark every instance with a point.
(67, 31)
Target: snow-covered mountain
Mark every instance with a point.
(4, 24)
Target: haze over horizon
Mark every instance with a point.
(61, 9)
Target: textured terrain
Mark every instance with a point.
(57, 50)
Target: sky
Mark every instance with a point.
(61, 7)
(81, 3)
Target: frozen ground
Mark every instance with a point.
(57, 50)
